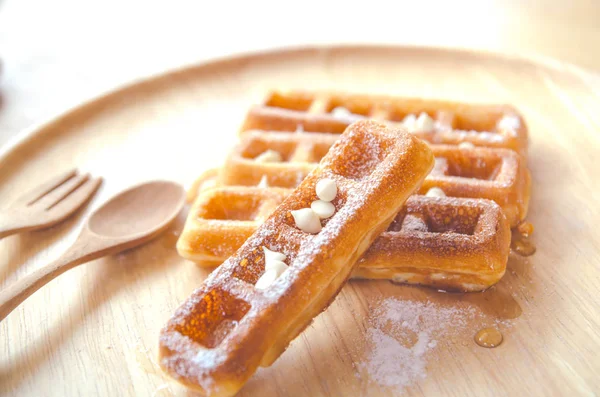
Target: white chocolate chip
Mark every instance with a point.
(509, 123)
(266, 279)
(424, 123)
(323, 209)
(273, 255)
(263, 182)
(341, 112)
(409, 121)
(307, 221)
(278, 266)
(269, 156)
(326, 189)
(435, 192)
(466, 145)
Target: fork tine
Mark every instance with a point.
(80, 196)
(40, 191)
(60, 192)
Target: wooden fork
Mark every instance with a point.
(48, 204)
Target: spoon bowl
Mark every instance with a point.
(139, 210)
(131, 218)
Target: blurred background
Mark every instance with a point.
(57, 53)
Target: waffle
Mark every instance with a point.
(446, 243)
(494, 174)
(228, 327)
(497, 126)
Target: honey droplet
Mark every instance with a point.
(488, 337)
(525, 228)
(497, 302)
(520, 242)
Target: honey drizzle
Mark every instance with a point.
(488, 337)
(520, 242)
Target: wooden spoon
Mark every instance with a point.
(129, 219)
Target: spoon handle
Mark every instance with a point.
(84, 250)
(13, 295)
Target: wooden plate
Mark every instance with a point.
(94, 330)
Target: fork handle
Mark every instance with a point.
(10, 226)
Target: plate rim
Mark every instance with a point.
(50, 127)
(549, 63)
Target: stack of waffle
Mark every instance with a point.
(453, 235)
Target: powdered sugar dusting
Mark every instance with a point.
(404, 317)
(391, 364)
(178, 366)
(401, 334)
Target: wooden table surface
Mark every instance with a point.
(57, 53)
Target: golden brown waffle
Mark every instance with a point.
(494, 174)
(445, 243)
(227, 328)
(498, 126)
